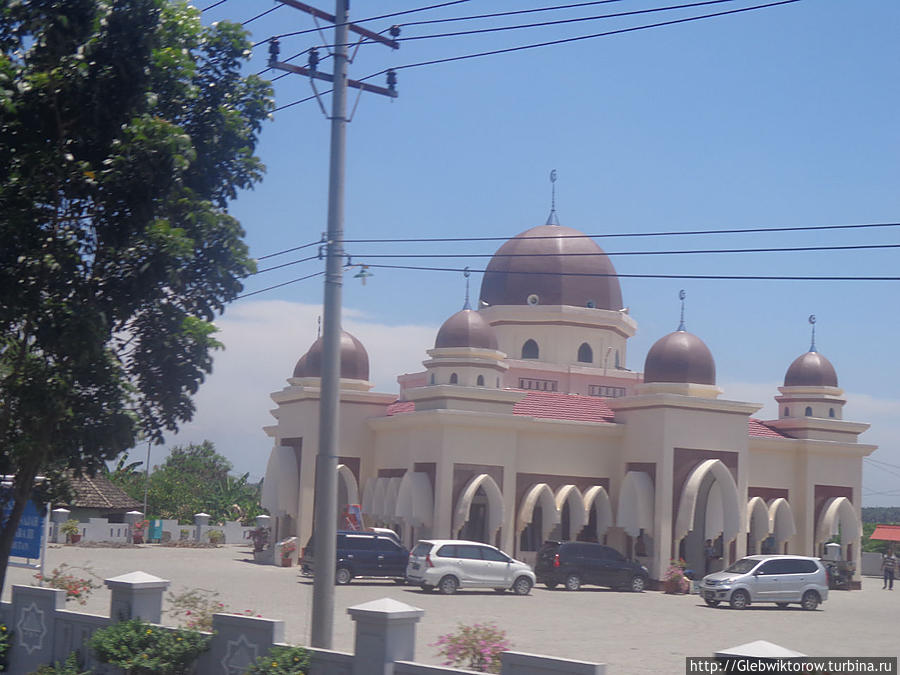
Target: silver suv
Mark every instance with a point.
(782, 579)
(449, 564)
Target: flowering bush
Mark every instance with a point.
(674, 578)
(282, 661)
(139, 648)
(76, 588)
(4, 645)
(476, 647)
(288, 546)
(194, 608)
(260, 537)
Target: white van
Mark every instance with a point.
(782, 579)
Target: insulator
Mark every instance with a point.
(395, 31)
(392, 80)
(313, 60)
(274, 49)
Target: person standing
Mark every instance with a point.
(889, 566)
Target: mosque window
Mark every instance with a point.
(498, 383)
(530, 350)
(585, 353)
(808, 411)
(538, 385)
(787, 412)
(453, 378)
(432, 378)
(618, 364)
(831, 412)
(480, 381)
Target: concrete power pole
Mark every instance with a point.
(325, 517)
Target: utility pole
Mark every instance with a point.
(325, 516)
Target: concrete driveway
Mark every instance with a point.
(633, 633)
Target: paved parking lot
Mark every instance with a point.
(633, 633)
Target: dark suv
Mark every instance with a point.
(573, 563)
(362, 554)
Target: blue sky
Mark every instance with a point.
(785, 116)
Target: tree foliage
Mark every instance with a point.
(192, 479)
(125, 129)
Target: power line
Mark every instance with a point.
(291, 250)
(286, 283)
(287, 264)
(212, 6)
(771, 249)
(720, 277)
(743, 230)
(261, 15)
(494, 15)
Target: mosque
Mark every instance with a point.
(527, 424)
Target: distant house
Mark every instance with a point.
(98, 497)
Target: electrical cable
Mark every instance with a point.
(261, 15)
(215, 4)
(772, 249)
(622, 275)
(494, 15)
(286, 283)
(742, 230)
(291, 250)
(287, 264)
(302, 100)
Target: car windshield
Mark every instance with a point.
(742, 566)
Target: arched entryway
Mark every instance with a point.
(479, 510)
(709, 510)
(347, 495)
(838, 519)
(599, 512)
(781, 525)
(572, 516)
(757, 525)
(537, 517)
(415, 506)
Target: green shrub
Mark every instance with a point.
(70, 667)
(282, 661)
(139, 648)
(216, 536)
(5, 635)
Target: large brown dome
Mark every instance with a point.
(354, 359)
(466, 328)
(680, 357)
(811, 370)
(542, 266)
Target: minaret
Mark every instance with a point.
(552, 218)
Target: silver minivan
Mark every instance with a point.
(449, 564)
(782, 579)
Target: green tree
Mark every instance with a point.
(192, 479)
(125, 129)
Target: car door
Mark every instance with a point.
(614, 568)
(496, 567)
(360, 553)
(766, 582)
(470, 565)
(391, 558)
(794, 575)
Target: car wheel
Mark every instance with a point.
(551, 584)
(810, 600)
(638, 583)
(427, 588)
(522, 586)
(573, 582)
(448, 585)
(712, 603)
(782, 604)
(342, 576)
(739, 600)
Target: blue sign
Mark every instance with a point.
(27, 543)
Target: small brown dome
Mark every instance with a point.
(680, 357)
(466, 328)
(811, 370)
(354, 359)
(551, 265)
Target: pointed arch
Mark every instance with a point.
(577, 512)
(345, 475)
(390, 498)
(538, 495)
(379, 494)
(530, 349)
(415, 499)
(585, 353)
(597, 496)
(758, 521)
(636, 503)
(838, 517)
(730, 510)
(284, 480)
(368, 495)
(495, 502)
(781, 520)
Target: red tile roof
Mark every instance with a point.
(400, 407)
(758, 428)
(886, 533)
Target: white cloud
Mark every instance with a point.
(263, 341)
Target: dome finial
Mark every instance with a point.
(466, 274)
(319, 327)
(552, 219)
(812, 321)
(681, 296)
